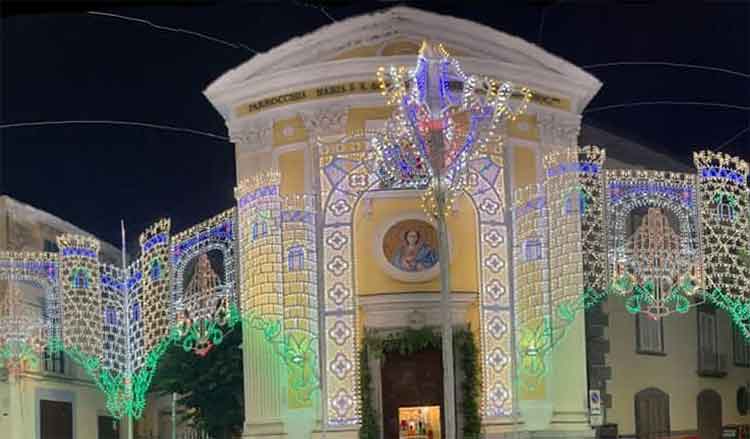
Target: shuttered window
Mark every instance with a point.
(741, 349)
(708, 349)
(650, 335)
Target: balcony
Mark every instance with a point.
(712, 364)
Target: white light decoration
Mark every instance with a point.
(443, 120)
(203, 306)
(654, 251)
(23, 331)
(724, 221)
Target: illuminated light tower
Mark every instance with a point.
(725, 233)
(443, 119)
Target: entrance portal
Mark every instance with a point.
(412, 392)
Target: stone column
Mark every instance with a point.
(567, 378)
(260, 284)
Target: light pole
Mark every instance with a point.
(443, 118)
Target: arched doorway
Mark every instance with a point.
(709, 414)
(651, 414)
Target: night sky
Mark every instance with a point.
(64, 64)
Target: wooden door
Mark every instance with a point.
(709, 415)
(410, 381)
(56, 419)
(652, 414)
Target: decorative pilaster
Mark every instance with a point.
(253, 145)
(558, 131)
(261, 286)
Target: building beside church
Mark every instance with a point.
(56, 396)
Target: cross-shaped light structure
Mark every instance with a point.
(443, 118)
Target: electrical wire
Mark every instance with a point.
(318, 7)
(687, 103)
(114, 122)
(668, 64)
(733, 138)
(175, 29)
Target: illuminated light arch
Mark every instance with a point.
(217, 233)
(345, 178)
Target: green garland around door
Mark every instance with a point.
(407, 342)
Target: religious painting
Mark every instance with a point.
(411, 245)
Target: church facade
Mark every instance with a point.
(522, 265)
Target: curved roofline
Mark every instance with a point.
(355, 31)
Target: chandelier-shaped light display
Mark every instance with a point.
(203, 310)
(443, 117)
(656, 275)
(23, 331)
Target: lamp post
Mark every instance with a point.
(443, 119)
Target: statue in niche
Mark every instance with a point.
(409, 246)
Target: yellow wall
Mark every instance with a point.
(674, 373)
(370, 277)
(292, 168)
(524, 167)
(288, 131)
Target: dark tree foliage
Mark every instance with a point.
(212, 385)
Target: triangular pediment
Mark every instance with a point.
(396, 32)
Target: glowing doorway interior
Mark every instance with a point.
(419, 422)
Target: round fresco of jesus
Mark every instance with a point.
(411, 245)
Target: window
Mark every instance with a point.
(260, 229)
(110, 316)
(155, 270)
(53, 362)
(709, 360)
(50, 246)
(725, 204)
(649, 335)
(80, 278)
(573, 197)
(741, 349)
(296, 258)
(135, 314)
(532, 250)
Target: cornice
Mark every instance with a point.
(363, 69)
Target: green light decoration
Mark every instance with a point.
(17, 356)
(126, 396)
(534, 346)
(738, 310)
(537, 341)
